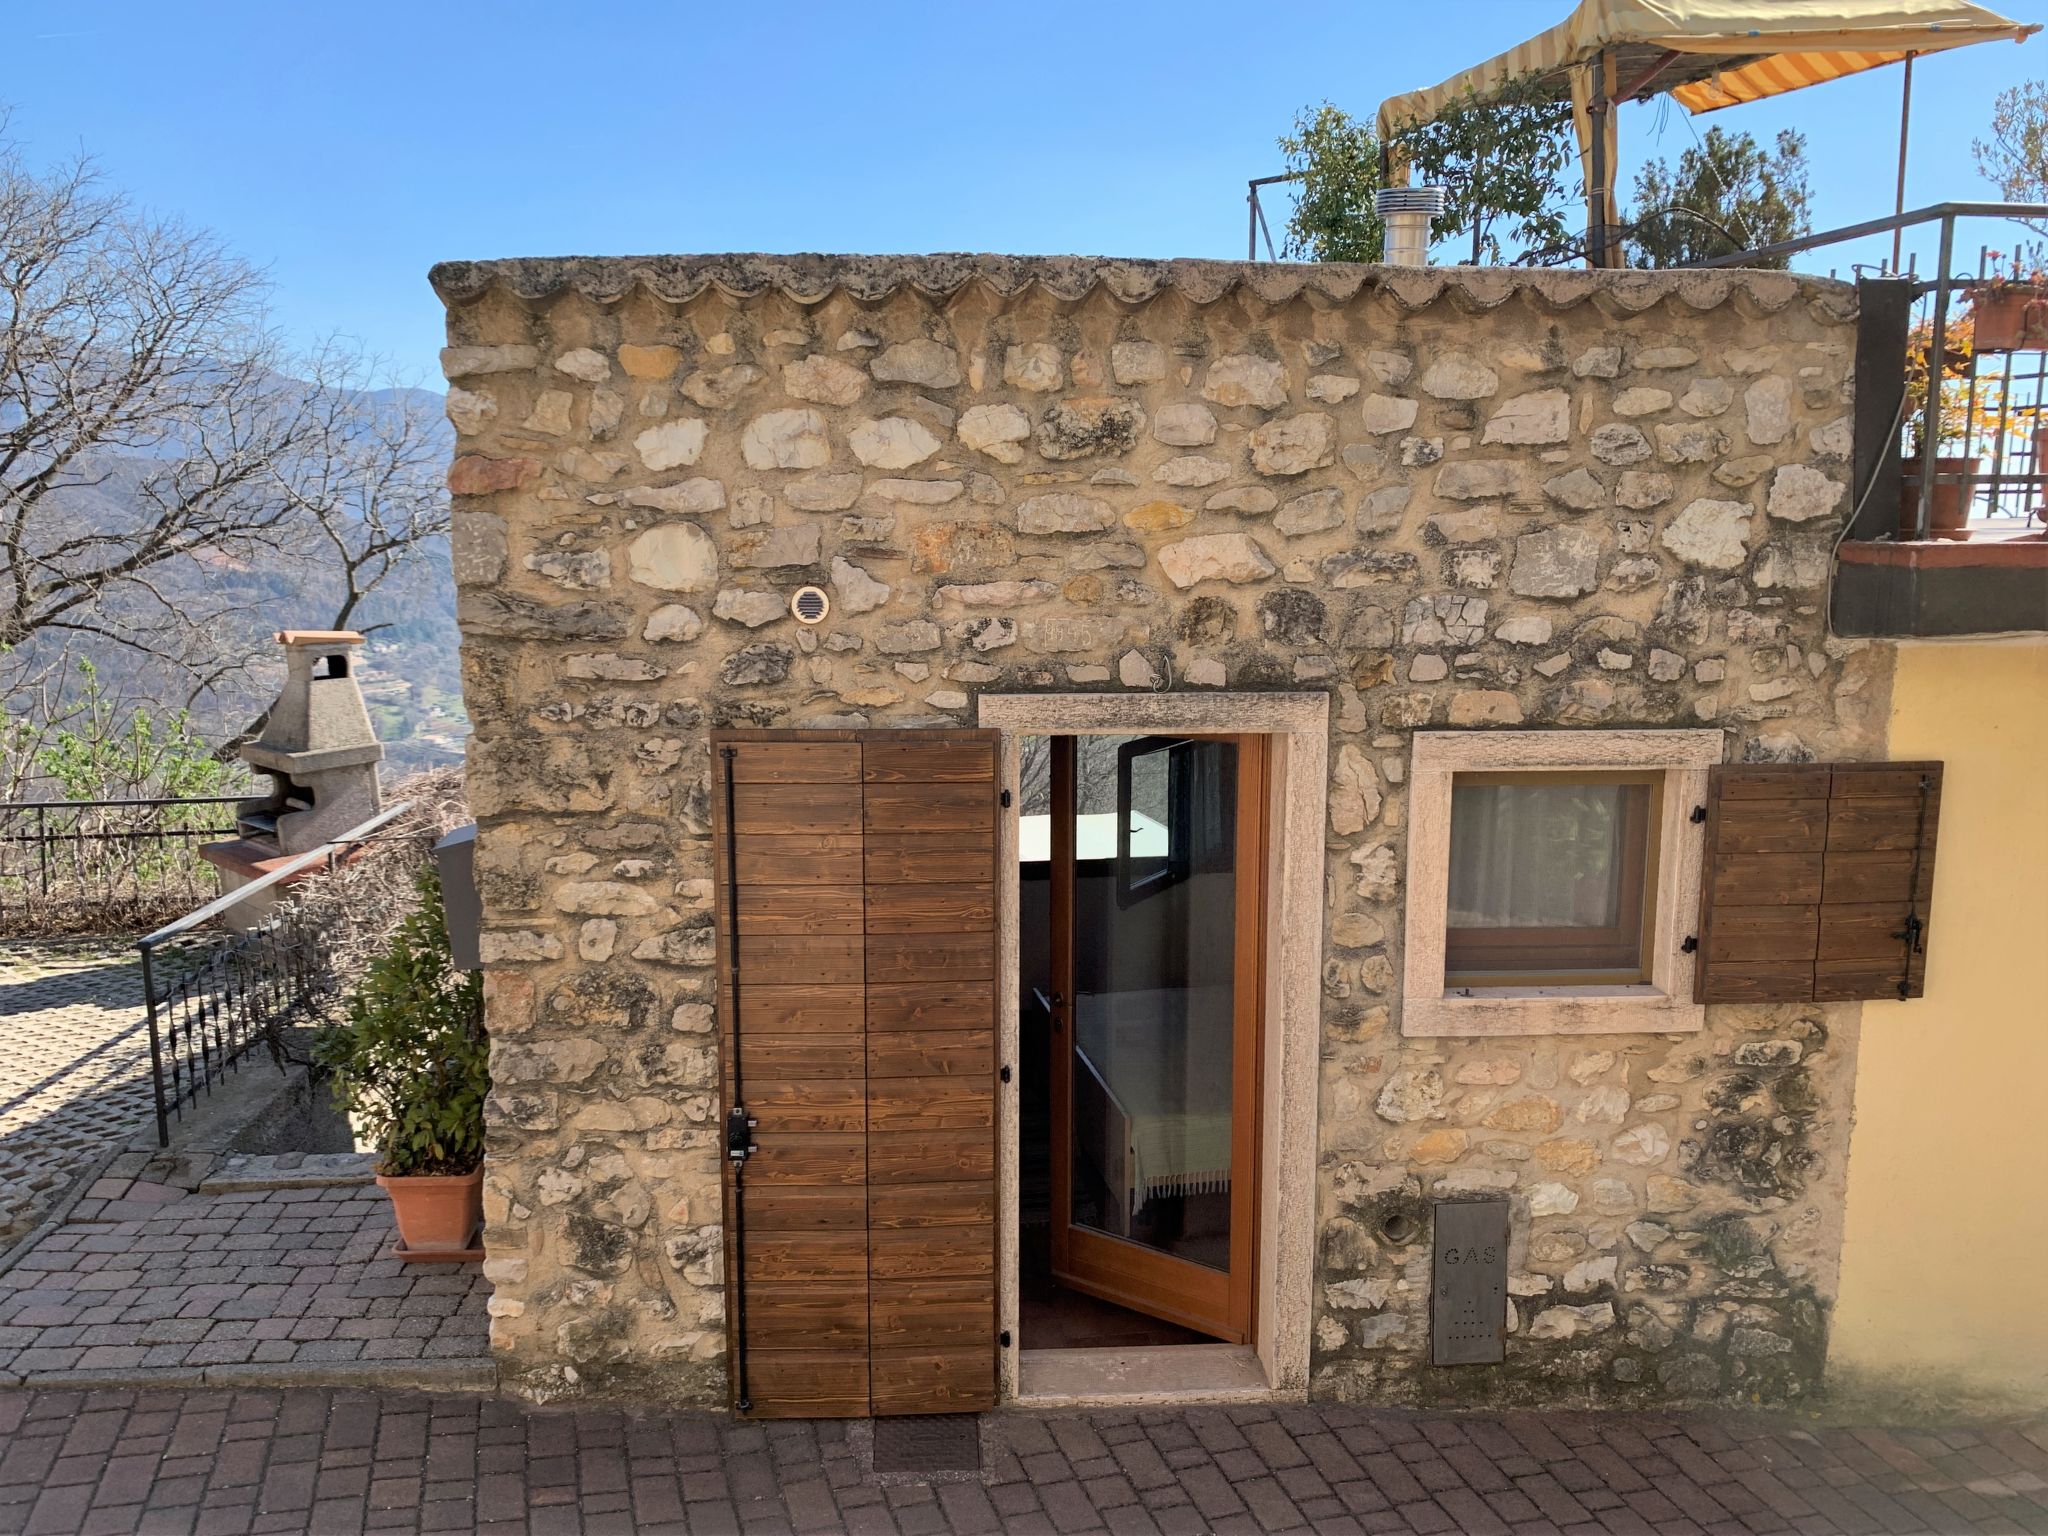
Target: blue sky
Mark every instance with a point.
(348, 146)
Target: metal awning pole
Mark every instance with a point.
(1905, 122)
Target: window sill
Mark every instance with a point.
(1625, 1010)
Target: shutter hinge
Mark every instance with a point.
(1003, 1338)
(1004, 1075)
(1006, 800)
(1699, 814)
(1691, 944)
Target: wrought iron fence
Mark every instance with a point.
(234, 973)
(105, 866)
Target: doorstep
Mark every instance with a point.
(1165, 1375)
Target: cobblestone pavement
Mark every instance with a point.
(280, 1277)
(102, 1462)
(74, 1072)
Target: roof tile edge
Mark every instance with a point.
(812, 278)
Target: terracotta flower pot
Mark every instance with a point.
(437, 1213)
(1948, 510)
(2011, 320)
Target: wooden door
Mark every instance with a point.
(1124, 1146)
(856, 918)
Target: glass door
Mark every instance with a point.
(1158, 850)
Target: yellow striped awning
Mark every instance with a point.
(1728, 51)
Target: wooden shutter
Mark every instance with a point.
(865, 870)
(1817, 882)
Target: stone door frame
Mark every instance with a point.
(1276, 1364)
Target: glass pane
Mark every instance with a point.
(1547, 880)
(1537, 855)
(1153, 1007)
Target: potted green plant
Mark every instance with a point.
(1965, 408)
(411, 1066)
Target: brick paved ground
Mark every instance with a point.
(282, 1277)
(116, 1461)
(74, 1071)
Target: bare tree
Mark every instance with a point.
(142, 416)
(369, 481)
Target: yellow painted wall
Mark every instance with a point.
(1944, 1287)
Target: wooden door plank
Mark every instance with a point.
(796, 810)
(802, 1058)
(840, 1257)
(808, 1158)
(775, 959)
(811, 859)
(931, 1313)
(817, 1105)
(906, 858)
(966, 907)
(927, 1005)
(799, 909)
(962, 1053)
(939, 1253)
(930, 1157)
(897, 757)
(927, 807)
(784, 762)
(971, 1203)
(806, 1008)
(806, 1208)
(960, 1380)
(930, 1104)
(809, 1314)
(930, 957)
(808, 1383)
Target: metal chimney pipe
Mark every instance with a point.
(1406, 212)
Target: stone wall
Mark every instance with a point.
(1448, 499)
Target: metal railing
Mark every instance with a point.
(101, 866)
(211, 995)
(2011, 436)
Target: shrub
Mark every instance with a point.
(411, 1063)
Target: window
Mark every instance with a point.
(1175, 807)
(1550, 878)
(1553, 880)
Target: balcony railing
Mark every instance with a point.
(1950, 489)
(105, 866)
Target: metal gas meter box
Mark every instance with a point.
(1468, 1289)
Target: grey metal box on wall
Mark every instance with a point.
(455, 858)
(1468, 1288)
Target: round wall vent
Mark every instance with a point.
(810, 605)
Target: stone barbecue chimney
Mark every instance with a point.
(317, 748)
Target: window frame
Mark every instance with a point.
(1629, 936)
(1659, 1000)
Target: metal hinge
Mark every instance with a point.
(1004, 1075)
(1691, 944)
(1003, 1338)
(1699, 814)
(1006, 800)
